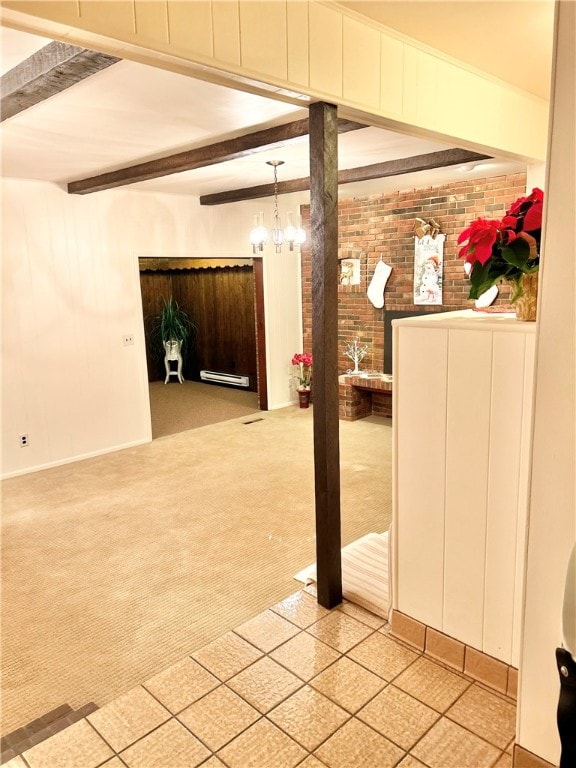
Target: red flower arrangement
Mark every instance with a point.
(504, 249)
(304, 375)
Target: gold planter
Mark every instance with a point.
(525, 304)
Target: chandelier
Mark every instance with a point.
(292, 235)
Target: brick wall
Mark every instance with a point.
(382, 226)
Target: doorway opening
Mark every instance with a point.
(224, 300)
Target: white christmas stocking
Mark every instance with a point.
(378, 283)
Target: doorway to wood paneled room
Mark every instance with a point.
(224, 298)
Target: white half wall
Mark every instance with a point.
(71, 292)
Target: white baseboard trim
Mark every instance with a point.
(73, 459)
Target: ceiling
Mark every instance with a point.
(130, 112)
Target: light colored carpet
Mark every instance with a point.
(116, 567)
(178, 407)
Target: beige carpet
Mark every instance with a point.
(116, 567)
(177, 407)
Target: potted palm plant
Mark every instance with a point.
(172, 333)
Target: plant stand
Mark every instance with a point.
(173, 352)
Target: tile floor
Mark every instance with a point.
(296, 686)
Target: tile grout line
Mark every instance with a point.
(310, 752)
(175, 716)
(308, 683)
(375, 730)
(25, 761)
(354, 715)
(447, 716)
(443, 714)
(41, 729)
(115, 753)
(351, 716)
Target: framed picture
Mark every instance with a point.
(428, 268)
(349, 271)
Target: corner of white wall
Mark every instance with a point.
(552, 512)
(536, 176)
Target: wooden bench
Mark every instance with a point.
(361, 396)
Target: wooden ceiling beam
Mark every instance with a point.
(441, 159)
(48, 71)
(211, 154)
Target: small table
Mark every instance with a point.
(364, 395)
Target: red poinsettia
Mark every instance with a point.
(528, 211)
(505, 249)
(481, 236)
(304, 363)
(524, 219)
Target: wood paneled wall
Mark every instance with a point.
(220, 301)
(154, 286)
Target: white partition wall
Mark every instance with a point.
(463, 400)
(71, 291)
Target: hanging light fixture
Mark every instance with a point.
(292, 235)
(277, 232)
(259, 233)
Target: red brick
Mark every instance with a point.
(381, 226)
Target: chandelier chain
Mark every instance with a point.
(276, 191)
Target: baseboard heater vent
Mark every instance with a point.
(225, 378)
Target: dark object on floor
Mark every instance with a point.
(567, 707)
(565, 660)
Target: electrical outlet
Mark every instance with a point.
(128, 339)
(23, 441)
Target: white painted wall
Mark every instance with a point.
(552, 515)
(283, 294)
(535, 176)
(71, 291)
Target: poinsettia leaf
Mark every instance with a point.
(479, 273)
(484, 276)
(517, 254)
(481, 278)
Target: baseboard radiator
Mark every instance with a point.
(225, 378)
